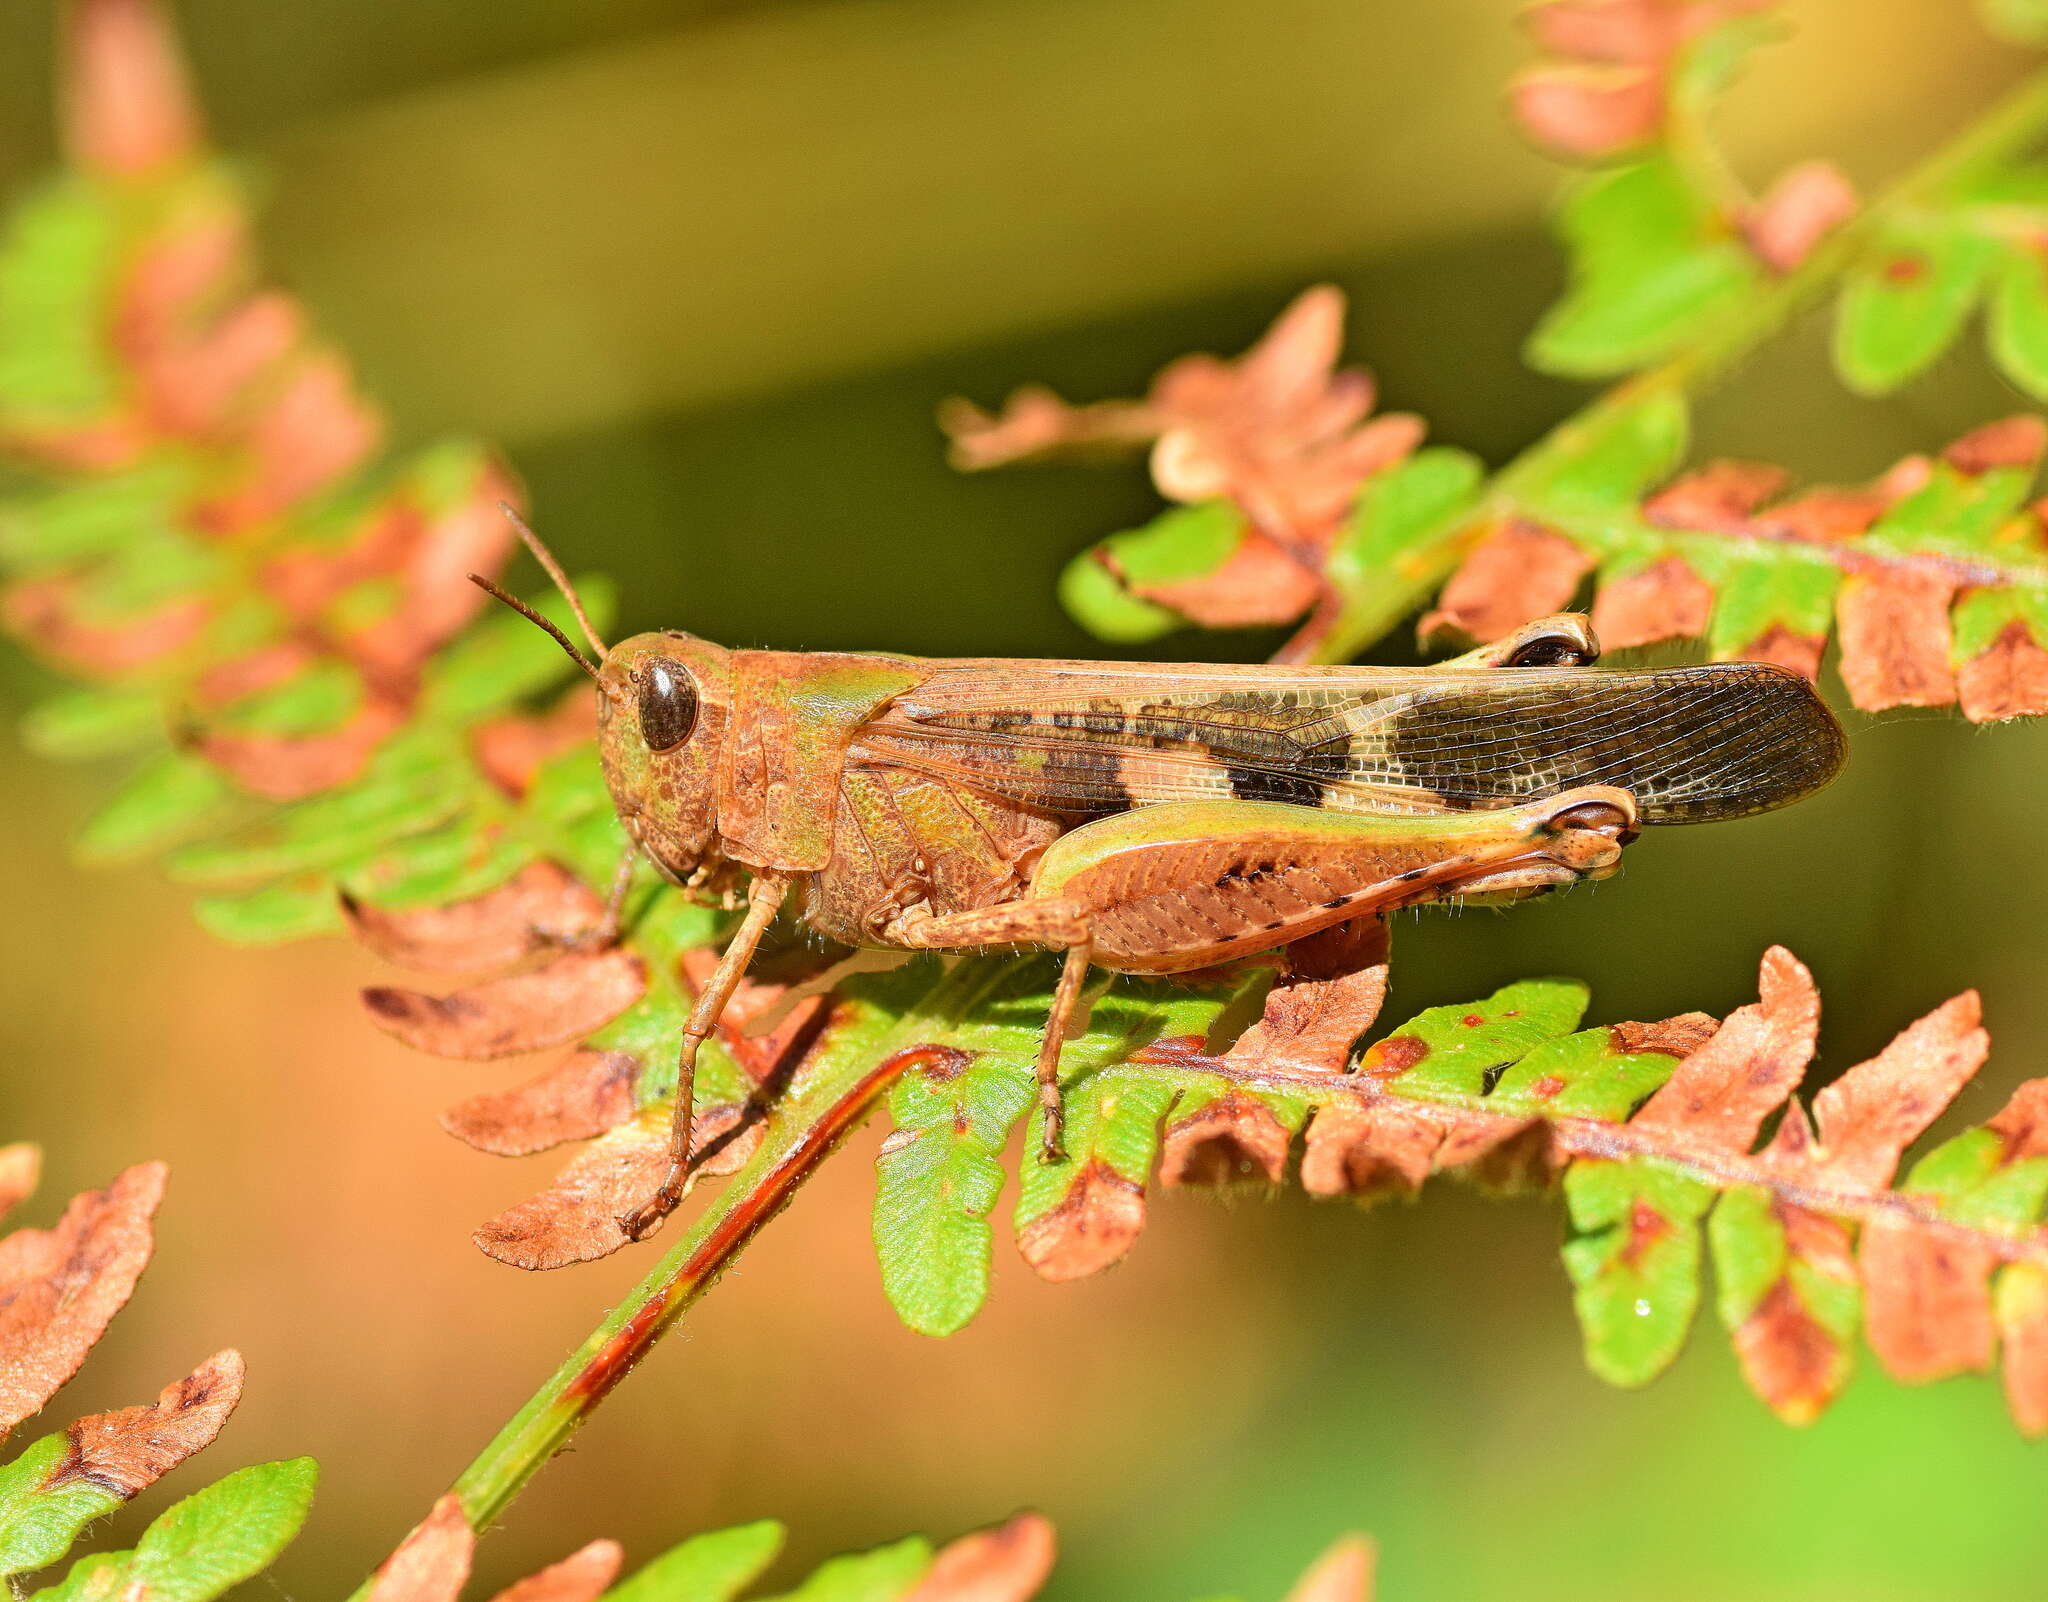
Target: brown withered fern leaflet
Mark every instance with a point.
(60, 1288)
(1009, 1563)
(271, 623)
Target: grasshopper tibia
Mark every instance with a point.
(763, 902)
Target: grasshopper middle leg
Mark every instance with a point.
(1057, 923)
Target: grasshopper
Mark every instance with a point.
(1151, 818)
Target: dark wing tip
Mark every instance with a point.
(1766, 739)
(1692, 744)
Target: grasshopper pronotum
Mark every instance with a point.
(1153, 818)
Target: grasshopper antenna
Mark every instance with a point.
(546, 558)
(532, 616)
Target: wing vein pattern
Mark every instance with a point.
(1693, 744)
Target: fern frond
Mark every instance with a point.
(1009, 1563)
(1651, 1129)
(59, 1290)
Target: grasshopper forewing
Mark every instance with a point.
(1158, 818)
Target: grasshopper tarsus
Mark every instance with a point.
(640, 1222)
(605, 933)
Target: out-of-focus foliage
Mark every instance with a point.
(59, 1290)
(1006, 1564)
(1936, 573)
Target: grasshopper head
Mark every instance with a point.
(661, 716)
(661, 712)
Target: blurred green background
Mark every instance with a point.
(703, 270)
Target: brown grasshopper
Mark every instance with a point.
(1153, 818)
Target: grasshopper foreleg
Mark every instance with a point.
(763, 902)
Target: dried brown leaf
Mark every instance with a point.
(1608, 30)
(1794, 652)
(21, 1166)
(1511, 1153)
(199, 348)
(1895, 634)
(1789, 1357)
(430, 1564)
(1677, 1036)
(1871, 1114)
(584, 1094)
(1259, 583)
(493, 930)
(576, 1219)
(1318, 1010)
(1369, 1149)
(127, 107)
(1802, 207)
(47, 614)
(1006, 1564)
(1608, 91)
(1519, 572)
(1927, 1303)
(253, 672)
(192, 381)
(511, 750)
(59, 1288)
(1342, 1574)
(2022, 1310)
(1792, 1360)
(1090, 1228)
(580, 1577)
(552, 1005)
(1718, 498)
(1826, 516)
(1719, 1096)
(767, 1017)
(1035, 422)
(2016, 441)
(2007, 679)
(311, 434)
(435, 601)
(1280, 431)
(1591, 109)
(125, 1451)
(1229, 1140)
(1666, 600)
(286, 767)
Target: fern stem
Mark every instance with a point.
(1600, 1139)
(805, 1128)
(831, 1092)
(1338, 633)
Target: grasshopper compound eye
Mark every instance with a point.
(668, 704)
